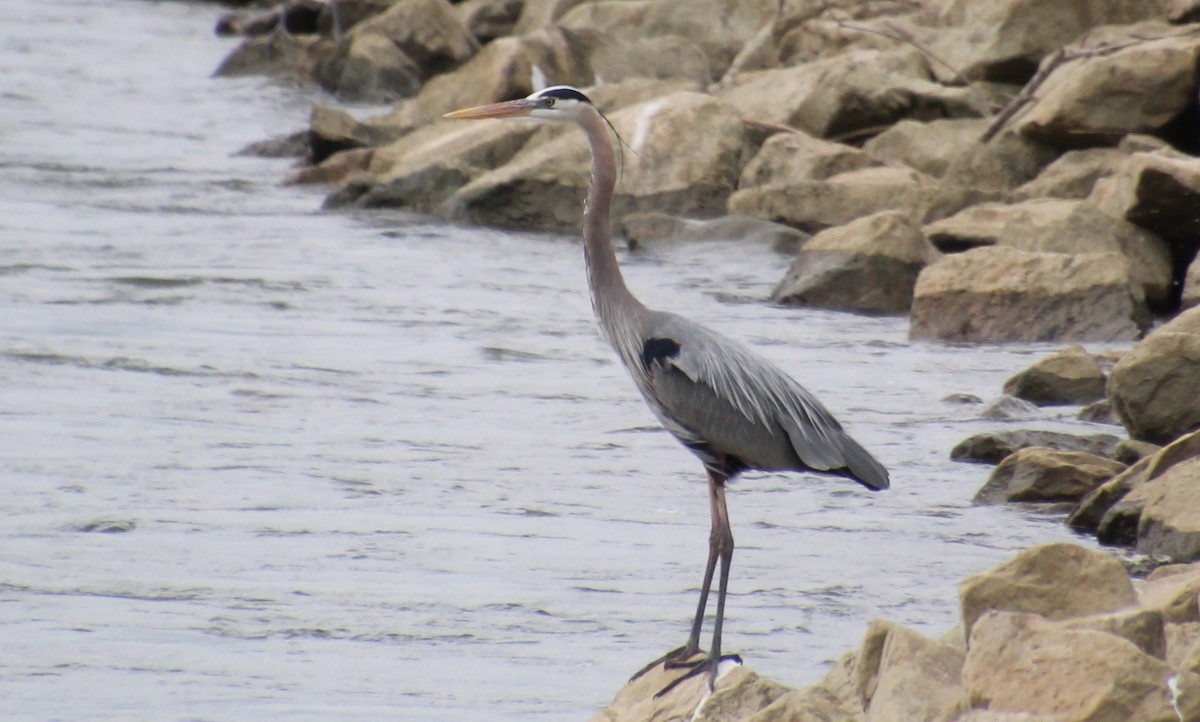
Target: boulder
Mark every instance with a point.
(1142, 626)
(1072, 175)
(869, 265)
(794, 157)
(487, 20)
(847, 94)
(1071, 376)
(1021, 663)
(543, 186)
(1100, 412)
(1054, 225)
(281, 54)
(929, 147)
(1006, 161)
(1136, 85)
(1128, 493)
(369, 68)
(994, 446)
(503, 69)
(719, 27)
(647, 229)
(1131, 451)
(1158, 191)
(1000, 294)
(1093, 508)
(903, 675)
(622, 55)
(1042, 474)
(1170, 522)
(1057, 581)
(339, 17)
(833, 698)
(331, 130)
(1154, 387)
(1005, 40)
(1172, 590)
(1190, 297)
(606, 16)
(815, 205)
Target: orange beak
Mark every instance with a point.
(508, 109)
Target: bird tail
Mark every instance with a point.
(862, 467)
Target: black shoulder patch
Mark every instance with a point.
(659, 350)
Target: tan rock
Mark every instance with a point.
(1021, 663)
(1039, 474)
(1159, 191)
(1071, 376)
(538, 14)
(814, 205)
(1137, 89)
(848, 93)
(1145, 628)
(1092, 509)
(1172, 590)
(1128, 493)
(1058, 581)
(1154, 387)
(1170, 520)
(720, 27)
(622, 55)
(794, 157)
(1073, 175)
(929, 147)
(740, 693)
(1191, 286)
(869, 265)
(543, 186)
(1000, 294)
(1003, 163)
(1006, 39)
(606, 16)
(906, 677)
(281, 54)
(1060, 226)
(487, 20)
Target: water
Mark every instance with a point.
(266, 462)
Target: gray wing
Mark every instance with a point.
(714, 391)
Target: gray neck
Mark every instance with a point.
(615, 307)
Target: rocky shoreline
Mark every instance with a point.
(1005, 171)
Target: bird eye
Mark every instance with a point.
(550, 102)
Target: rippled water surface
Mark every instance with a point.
(262, 461)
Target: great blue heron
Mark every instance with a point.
(732, 409)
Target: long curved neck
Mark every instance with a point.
(615, 306)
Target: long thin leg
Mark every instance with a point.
(720, 547)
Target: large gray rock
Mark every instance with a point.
(815, 205)
(1041, 474)
(1000, 294)
(543, 186)
(1098, 99)
(994, 446)
(869, 265)
(1022, 663)
(1155, 386)
(1005, 40)
(1058, 581)
(1071, 376)
(1055, 225)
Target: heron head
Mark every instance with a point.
(560, 102)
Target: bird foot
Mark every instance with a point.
(675, 659)
(712, 665)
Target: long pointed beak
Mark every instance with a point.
(508, 109)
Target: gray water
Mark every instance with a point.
(261, 461)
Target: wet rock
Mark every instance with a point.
(903, 675)
(274, 54)
(869, 265)
(1042, 474)
(108, 526)
(1099, 412)
(1093, 508)
(846, 94)
(929, 147)
(292, 145)
(544, 186)
(1170, 520)
(331, 130)
(1057, 581)
(1172, 590)
(1000, 294)
(1071, 376)
(1005, 40)
(1021, 663)
(1009, 407)
(1060, 226)
(338, 169)
(1097, 99)
(993, 446)
(962, 399)
(645, 229)
(794, 157)
(815, 205)
(1154, 387)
